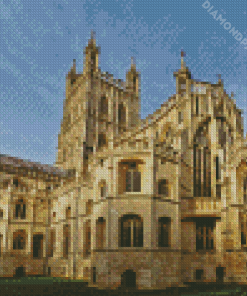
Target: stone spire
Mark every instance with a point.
(93, 38)
(183, 65)
(73, 68)
(183, 72)
(219, 79)
(133, 65)
(91, 53)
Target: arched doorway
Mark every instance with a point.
(128, 279)
(20, 271)
(220, 273)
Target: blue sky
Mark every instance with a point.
(40, 39)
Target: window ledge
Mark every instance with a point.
(206, 251)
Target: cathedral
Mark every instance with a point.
(146, 203)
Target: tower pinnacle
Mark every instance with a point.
(182, 60)
(92, 40)
(133, 66)
(219, 78)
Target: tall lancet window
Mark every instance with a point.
(202, 163)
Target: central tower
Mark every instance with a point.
(97, 108)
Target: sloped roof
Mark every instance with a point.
(17, 162)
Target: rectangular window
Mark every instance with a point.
(128, 181)
(243, 234)
(204, 236)
(197, 105)
(37, 246)
(17, 210)
(126, 233)
(1, 244)
(245, 190)
(66, 240)
(180, 118)
(23, 212)
(94, 275)
(218, 190)
(88, 239)
(136, 181)
(133, 181)
(217, 168)
(103, 191)
(163, 188)
(164, 232)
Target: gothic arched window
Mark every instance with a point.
(202, 163)
(131, 231)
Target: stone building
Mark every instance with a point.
(150, 203)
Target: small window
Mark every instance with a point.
(16, 182)
(103, 191)
(245, 189)
(164, 238)
(163, 188)
(20, 209)
(217, 168)
(218, 190)
(180, 119)
(1, 214)
(54, 214)
(102, 162)
(94, 275)
(101, 140)
(66, 240)
(89, 205)
(197, 105)
(243, 234)
(68, 212)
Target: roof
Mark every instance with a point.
(17, 162)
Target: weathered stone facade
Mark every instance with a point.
(154, 203)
